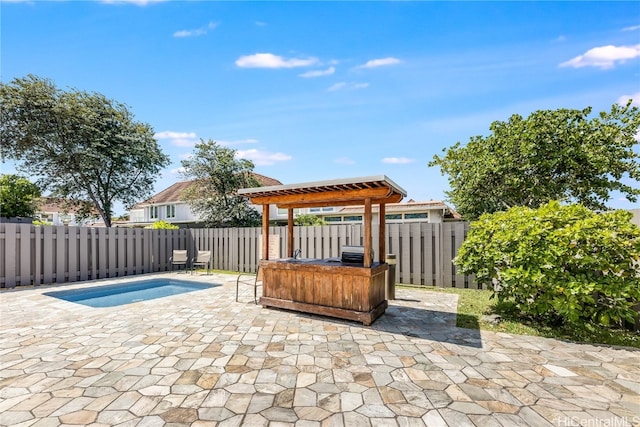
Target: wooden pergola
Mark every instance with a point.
(337, 289)
(367, 191)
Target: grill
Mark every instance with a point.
(353, 255)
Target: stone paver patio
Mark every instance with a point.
(203, 359)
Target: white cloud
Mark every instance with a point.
(632, 28)
(635, 97)
(347, 86)
(269, 60)
(262, 158)
(179, 139)
(319, 73)
(381, 62)
(344, 161)
(604, 57)
(397, 160)
(196, 32)
(167, 134)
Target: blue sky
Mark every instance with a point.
(324, 90)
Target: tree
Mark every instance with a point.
(309, 219)
(218, 176)
(551, 155)
(82, 146)
(18, 196)
(558, 262)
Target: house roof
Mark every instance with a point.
(59, 205)
(173, 193)
(336, 192)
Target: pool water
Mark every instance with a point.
(127, 293)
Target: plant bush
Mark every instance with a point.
(558, 263)
(309, 219)
(163, 225)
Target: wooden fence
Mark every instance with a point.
(33, 255)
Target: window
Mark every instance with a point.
(421, 215)
(393, 216)
(314, 209)
(171, 211)
(153, 212)
(329, 209)
(284, 212)
(353, 218)
(333, 219)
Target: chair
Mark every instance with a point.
(202, 260)
(254, 280)
(179, 258)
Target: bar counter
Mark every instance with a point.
(326, 287)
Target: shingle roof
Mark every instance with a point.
(173, 193)
(59, 205)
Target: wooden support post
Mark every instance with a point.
(290, 232)
(265, 231)
(367, 232)
(382, 239)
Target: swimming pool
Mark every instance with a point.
(127, 293)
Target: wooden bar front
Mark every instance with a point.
(325, 288)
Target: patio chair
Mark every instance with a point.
(179, 258)
(254, 280)
(202, 260)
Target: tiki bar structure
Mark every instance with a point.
(349, 287)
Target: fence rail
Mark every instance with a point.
(34, 255)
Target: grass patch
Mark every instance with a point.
(474, 304)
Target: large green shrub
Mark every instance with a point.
(558, 263)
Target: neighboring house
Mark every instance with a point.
(56, 211)
(410, 211)
(168, 205)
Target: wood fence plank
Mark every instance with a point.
(121, 248)
(25, 253)
(37, 251)
(93, 241)
(416, 254)
(61, 253)
(83, 253)
(102, 255)
(426, 231)
(447, 251)
(112, 245)
(72, 243)
(405, 254)
(10, 242)
(394, 246)
(326, 242)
